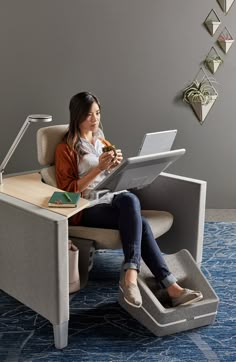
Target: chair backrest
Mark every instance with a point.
(47, 140)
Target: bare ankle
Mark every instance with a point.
(174, 290)
(131, 276)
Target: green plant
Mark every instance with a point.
(216, 58)
(202, 91)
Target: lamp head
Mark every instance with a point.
(39, 117)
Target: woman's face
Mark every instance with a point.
(91, 122)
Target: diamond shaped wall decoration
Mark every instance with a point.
(213, 60)
(225, 40)
(212, 22)
(225, 4)
(202, 110)
(200, 95)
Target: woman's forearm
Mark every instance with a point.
(105, 162)
(85, 181)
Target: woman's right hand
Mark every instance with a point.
(106, 160)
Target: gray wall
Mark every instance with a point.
(137, 56)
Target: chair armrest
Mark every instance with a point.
(185, 199)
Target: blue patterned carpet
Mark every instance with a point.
(101, 331)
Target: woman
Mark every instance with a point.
(80, 165)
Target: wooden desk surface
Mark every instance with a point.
(30, 188)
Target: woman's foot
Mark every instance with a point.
(128, 286)
(183, 296)
(186, 297)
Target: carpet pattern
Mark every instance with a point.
(100, 330)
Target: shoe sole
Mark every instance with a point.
(197, 299)
(126, 300)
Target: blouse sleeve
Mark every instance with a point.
(66, 168)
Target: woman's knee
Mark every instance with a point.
(128, 200)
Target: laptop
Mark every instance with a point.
(157, 142)
(137, 172)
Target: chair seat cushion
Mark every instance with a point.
(160, 222)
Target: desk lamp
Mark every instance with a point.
(30, 119)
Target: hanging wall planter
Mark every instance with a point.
(201, 95)
(201, 110)
(212, 22)
(225, 40)
(213, 60)
(225, 4)
(213, 64)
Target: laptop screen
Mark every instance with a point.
(157, 142)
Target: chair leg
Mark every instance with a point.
(61, 334)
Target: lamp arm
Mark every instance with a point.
(29, 119)
(13, 146)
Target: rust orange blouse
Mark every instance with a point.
(67, 175)
(66, 163)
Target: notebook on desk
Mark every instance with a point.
(157, 142)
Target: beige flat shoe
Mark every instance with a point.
(187, 296)
(131, 294)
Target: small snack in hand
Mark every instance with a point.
(109, 148)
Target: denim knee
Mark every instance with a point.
(128, 200)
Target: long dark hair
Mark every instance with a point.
(80, 105)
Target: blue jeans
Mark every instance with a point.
(124, 214)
